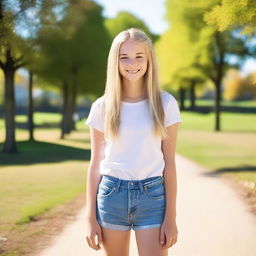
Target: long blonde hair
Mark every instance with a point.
(112, 94)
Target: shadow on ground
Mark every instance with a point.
(35, 152)
(243, 168)
(45, 125)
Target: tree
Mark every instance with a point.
(14, 53)
(233, 85)
(178, 63)
(125, 20)
(12, 48)
(207, 49)
(250, 84)
(230, 14)
(74, 55)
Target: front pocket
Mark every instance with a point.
(155, 191)
(105, 190)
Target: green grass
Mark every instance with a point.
(43, 174)
(206, 102)
(229, 122)
(39, 188)
(231, 151)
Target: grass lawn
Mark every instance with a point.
(206, 102)
(232, 150)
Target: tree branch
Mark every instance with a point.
(21, 64)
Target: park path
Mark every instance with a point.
(212, 220)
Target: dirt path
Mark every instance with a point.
(212, 220)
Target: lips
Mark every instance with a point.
(133, 71)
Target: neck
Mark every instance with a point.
(133, 90)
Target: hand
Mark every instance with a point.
(93, 229)
(168, 233)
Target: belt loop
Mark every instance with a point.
(118, 184)
(141, 186)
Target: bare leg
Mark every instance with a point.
(116, 242)
(148, 242)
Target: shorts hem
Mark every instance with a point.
(147, 226)
(114, 226)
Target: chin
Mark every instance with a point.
(133, 78)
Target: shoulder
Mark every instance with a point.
(167, 98)
(99, 102)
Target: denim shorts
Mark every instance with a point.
(125, 204)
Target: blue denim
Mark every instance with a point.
(125, 204)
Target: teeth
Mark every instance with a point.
(133, 71)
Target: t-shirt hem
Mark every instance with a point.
(94, 126)
(173, 122)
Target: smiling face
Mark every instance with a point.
(132, 60)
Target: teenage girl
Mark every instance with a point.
(131, 180)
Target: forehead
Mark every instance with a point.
(132, 47)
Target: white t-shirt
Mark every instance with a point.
(137, 153)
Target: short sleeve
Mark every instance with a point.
(95, 118)
(172, 112)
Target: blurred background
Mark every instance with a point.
(53, 57)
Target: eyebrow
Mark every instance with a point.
(136, 53)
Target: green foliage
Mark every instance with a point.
(231, 13)
(183, 47)
(177, 57)
(125, 20)
(76, 49)
(191, 50)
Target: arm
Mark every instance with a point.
(169, 148)
(169, 231)
(93, 174)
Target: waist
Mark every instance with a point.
(128, 184)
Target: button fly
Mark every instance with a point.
(131, 183)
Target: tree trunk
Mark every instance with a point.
(73, 99)
(30, 108)
(192, 94)
(64, 122)
(69, 111)
(1, 11)
(217, 107)
(217, 82)
(9, 108)
(182, 98)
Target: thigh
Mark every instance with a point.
(116, 242)
(148, 242)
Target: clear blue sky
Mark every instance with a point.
(152, 12)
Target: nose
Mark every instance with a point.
(130, 62)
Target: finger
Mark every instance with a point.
(167, 242)
(100, 239)
(162, 237)
(172, 242)
(97, 242)
(94, 246)
(88, 241)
